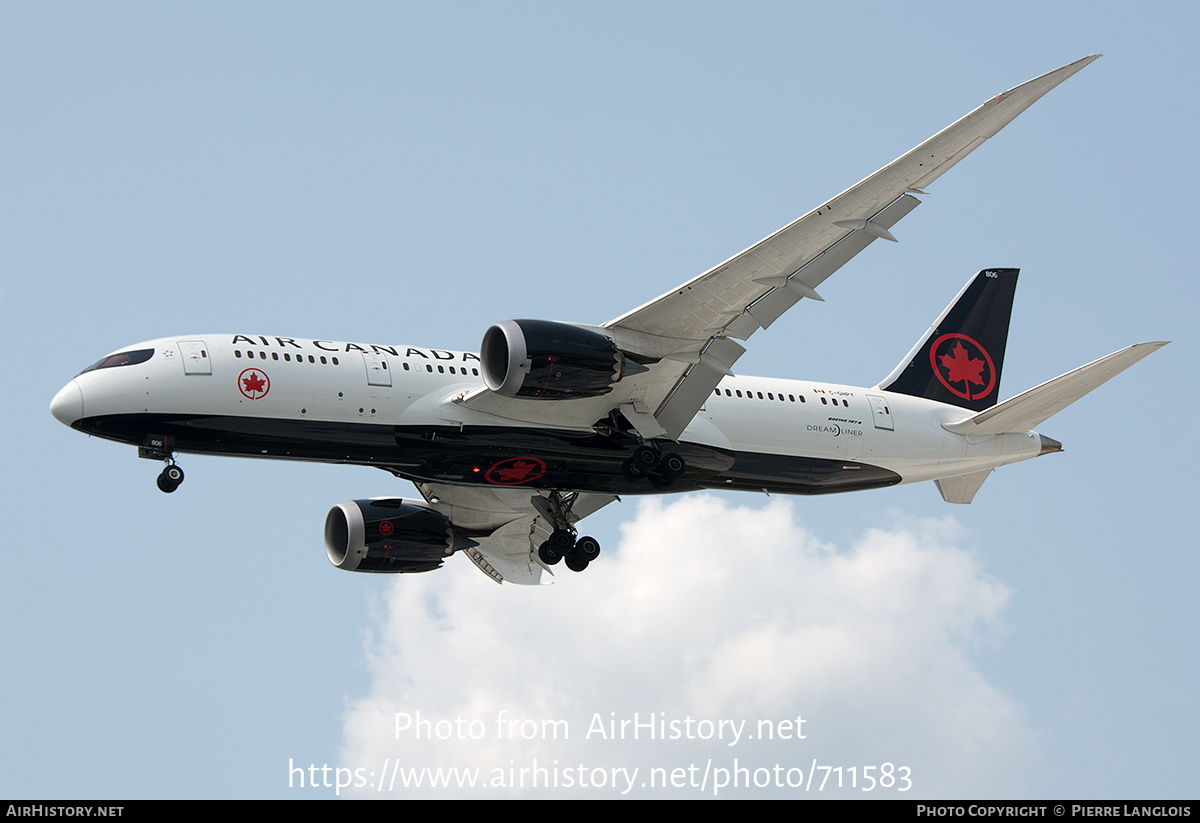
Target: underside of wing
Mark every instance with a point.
(507, 525)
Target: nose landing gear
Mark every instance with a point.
(161, 447)
(170, 478)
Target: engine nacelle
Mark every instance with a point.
(389, 534)
(543, 359)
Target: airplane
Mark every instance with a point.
(511, 447)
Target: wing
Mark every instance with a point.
(507, 525)
(752, 289)
(688, 335)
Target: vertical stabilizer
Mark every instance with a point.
(959, 359)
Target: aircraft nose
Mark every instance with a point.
(67, 405)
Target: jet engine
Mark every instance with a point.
(389, 534)
(543, 359)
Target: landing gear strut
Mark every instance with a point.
(562, 544)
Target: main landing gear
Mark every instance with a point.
(563, 544)
(170, 477)
(648, 462)
(662, 470)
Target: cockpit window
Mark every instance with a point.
(125, 358)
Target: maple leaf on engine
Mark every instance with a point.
(253, 383)
(961, 367)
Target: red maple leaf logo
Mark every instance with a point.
(961, 364)
(961, 367)
(515, 470)
(253, 383)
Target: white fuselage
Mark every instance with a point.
(234, 388)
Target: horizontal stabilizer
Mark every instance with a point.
(1030, 408)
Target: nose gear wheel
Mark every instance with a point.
(170, 478)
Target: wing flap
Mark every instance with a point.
(511, 524)
(771, 306)
(690, 392)
(505, 555)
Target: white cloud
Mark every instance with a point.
(711, 612)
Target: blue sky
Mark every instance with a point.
(403, 173)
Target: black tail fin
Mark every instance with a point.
(958, 361)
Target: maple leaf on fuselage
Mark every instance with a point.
(518, 472)
(253, 383)
(961, 367)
